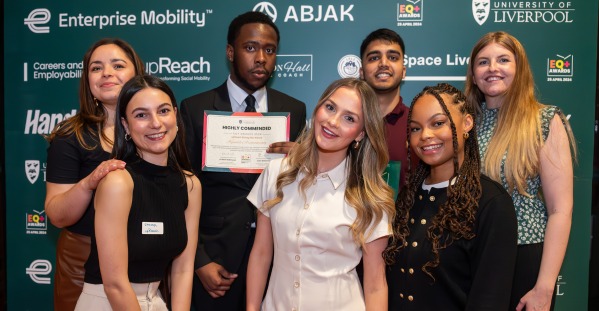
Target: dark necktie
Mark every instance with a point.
(250, 102)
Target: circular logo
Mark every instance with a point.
(268, 9)
(349, 66)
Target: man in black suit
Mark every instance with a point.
(227, 222)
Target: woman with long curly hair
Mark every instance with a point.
(529, 148)
(323, 208)
(454, 233)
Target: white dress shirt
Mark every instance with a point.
(315, 255)
(237, 97)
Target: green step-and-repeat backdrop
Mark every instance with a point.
(184, 43)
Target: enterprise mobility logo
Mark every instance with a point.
(38, 19)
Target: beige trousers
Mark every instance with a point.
(93, 297)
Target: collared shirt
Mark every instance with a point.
(237, 97)
(315, 256)
(396, 127)
(472, 274)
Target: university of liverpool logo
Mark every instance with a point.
(480, 10)
(32, 170)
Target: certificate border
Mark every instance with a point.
(230, 113)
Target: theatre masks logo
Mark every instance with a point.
(349, 66)
(37, 19)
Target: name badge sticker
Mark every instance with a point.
(152, 227)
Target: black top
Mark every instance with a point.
(473, 274)
(159, 197)
(68, 163)
(225, 231)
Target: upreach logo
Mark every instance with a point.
(506, 11)
(480, 10)
(38, 269)
(36, 222)
(43, 123)
(172, 70)
(294, 66)
(309, 13)
(560, 68)
(410, 13)
(36, 18)
(268, 9)
(349, 66)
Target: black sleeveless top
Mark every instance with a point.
(156, 230)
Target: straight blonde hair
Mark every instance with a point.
(518, 132)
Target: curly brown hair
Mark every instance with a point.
(455, 218)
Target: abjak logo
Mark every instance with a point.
(266, 8)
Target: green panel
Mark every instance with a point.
(315, 37)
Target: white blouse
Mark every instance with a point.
(315, 255)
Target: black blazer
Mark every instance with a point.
(226, 213)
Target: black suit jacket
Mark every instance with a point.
(226, 213)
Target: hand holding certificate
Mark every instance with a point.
(237, 141)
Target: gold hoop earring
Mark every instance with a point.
(466, 135)
(357, 144)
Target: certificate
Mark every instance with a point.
(237, 141)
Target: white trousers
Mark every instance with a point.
(93, 297)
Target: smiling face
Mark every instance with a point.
(338, 122)
(109, 70)
(382, 66)
(151, 121)
(494, 69)
(431, 137)
(253, 56)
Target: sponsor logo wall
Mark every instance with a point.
(183, 42)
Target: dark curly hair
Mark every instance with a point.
(455, 218)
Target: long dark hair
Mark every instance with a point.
(455, 218)
(91, 115)
(125, 149)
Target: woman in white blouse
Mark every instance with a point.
(323, 208)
